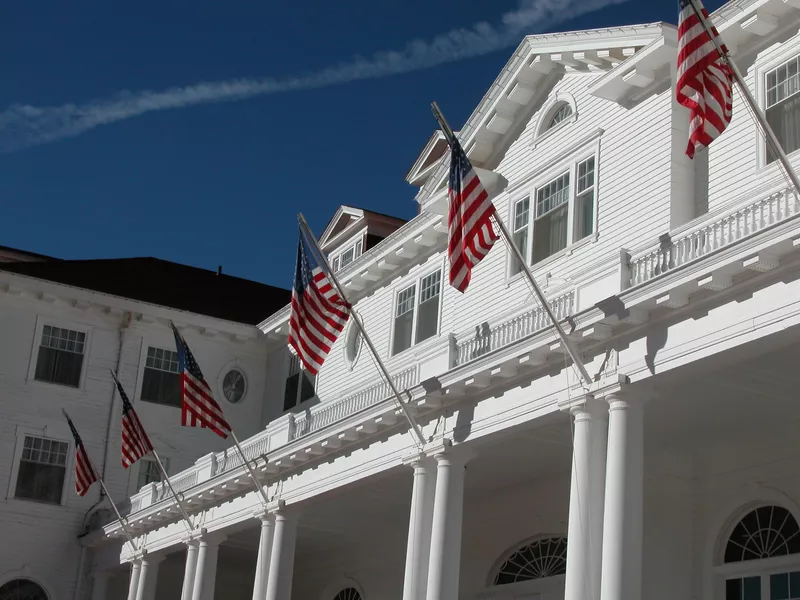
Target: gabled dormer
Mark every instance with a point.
(427, 160)
(352, 232)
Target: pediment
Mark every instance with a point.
(344, 219)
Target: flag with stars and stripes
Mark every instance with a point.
(705, 80)
(318, 313)
(470, 230)
(198, 407)
(135, 443)
(85, 474)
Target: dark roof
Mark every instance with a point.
(165, 283)
(26, 253)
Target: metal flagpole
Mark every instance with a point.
(166, 480)
(250, 470)
(451, 138)
(324, 262)
(761, 119)
(123, 523)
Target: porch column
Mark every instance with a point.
(189, 570)
(205, 577)
(133, 585)
(445, 553)
(100, 584)
(585, 528)
(148, 577)
(419, 527)
(264, 549)
(281, 564)
(622, 522)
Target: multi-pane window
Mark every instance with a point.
(162, 381)
(563, 213)
(563, 113)
(42, 469)
(299, 385)
(60, 356)
(783, 105)
(348, 256)
(416, 316)
(149, 472)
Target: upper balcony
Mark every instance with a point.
(706, 256)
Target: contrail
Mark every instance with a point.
(22, 126)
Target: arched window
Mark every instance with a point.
(535, 560)
(349, 593)
(22, 589)
(563, 112)
(755, 556)
(352, 347)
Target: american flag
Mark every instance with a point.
(135, 443)
(318, 313)
(85, 474)
(198, 407)
(471, 234)
(705, 80)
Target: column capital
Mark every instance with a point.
(620, 392)
(154, 559)
(447, 451)
(417, 460)
(583, 405)
(262, 514)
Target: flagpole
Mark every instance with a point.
(451, 138)
(357, 320)
(761, 119)
(250, 469)
(122, 521)
(166, 480)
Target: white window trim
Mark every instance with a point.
(347, 246)
(351, 330)
(547, 113)
(220, 379)
(529, 191)
(404, 284)
(162, 342)
(41, 321)
(781, 54)
(314, 382)
(54, 433)
(135, 480)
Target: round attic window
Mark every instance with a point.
(353, 343)
(234, 385)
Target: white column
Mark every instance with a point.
(189, 570)
(100, 584)
(622, 526)
(148, 577)
(133, 585)
(419, 528)
(205, 577)
(281, 564)
(445, 553)
(585, 528)
(262, 564)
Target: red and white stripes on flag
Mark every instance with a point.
(318, 313)
(198, 407)
(705, 80)
(470, 229)
(135, 442)
(85, 474)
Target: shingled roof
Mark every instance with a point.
(164, 283)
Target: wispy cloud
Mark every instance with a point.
(22, 126)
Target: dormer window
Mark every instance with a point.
(349, 255)
(563, 113)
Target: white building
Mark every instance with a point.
(64, 324)
(675, 475)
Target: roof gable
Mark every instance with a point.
(344, 220)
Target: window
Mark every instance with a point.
(161, 383)
(353, 345)
(348, 256)
(299, 385)
(234, 386)
(763, 534)
(60, 356)
(22, 589)
(350, 593)
(42, 469)
(536, 560)
(149, 472)
(562, 113)
(564, 213)
(417, 315)
(783, 105)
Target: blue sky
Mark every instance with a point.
(220, 182)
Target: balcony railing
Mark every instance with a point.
(489, 338)
(708, 237)
(328, 413)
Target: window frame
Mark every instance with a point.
(405, 284)
(53, 433)
(546, 115)
(41, 322)
(298, 393)
(530, 191)
(149, 460)
(146, 345)
(335, 259)
(780, 55)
